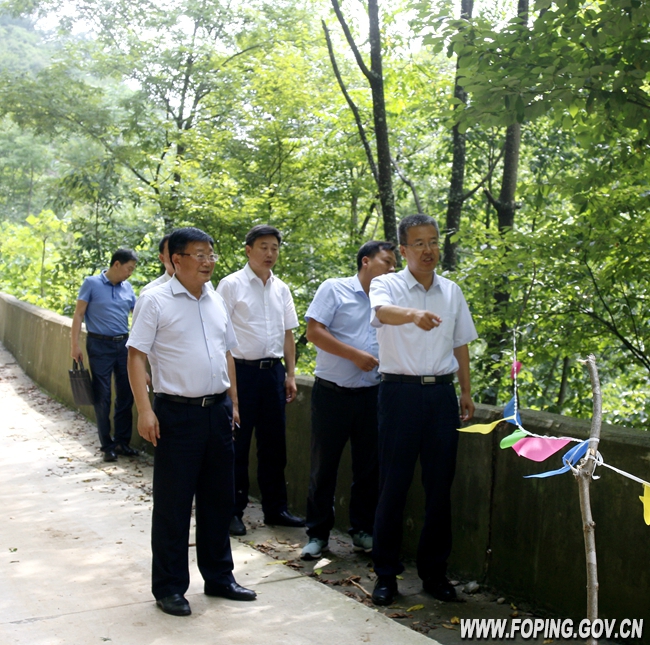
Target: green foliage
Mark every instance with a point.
(223, 117)
(30, 260)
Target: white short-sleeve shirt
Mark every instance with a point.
(185, 339)
(260, 313)
(407, 349)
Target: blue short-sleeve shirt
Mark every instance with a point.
(109, 305)
(343, 307)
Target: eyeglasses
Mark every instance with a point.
(420, 246)
(202, 257)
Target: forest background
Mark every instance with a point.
(524, 129)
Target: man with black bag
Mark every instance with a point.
(105, 301)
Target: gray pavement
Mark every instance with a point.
(75, 557)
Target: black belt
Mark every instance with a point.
(422, 380)
(203, 401)
(102, 337)
(339, 388)
(262, 363)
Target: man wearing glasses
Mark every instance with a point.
(184, 330)
(423, 329)
(263, 315)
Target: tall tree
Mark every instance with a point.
(382, 167)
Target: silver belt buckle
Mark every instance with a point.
(266, 364)
(428, 380)
(204, 401)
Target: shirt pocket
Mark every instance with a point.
(448, 324)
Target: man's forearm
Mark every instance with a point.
(464, 381)
(137, 369)
(289, 353)
(232, 376)
(320, 336)
(394, 315)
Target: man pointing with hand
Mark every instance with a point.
(423, 328)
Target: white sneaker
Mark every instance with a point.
(362, 541)
(313, 549)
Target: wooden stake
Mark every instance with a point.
(585, 471)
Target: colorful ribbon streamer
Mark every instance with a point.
(538, 448)
(645, 500)
(509, 413)
(570, 459)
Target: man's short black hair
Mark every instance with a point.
(123, 256)
(161, 244)
(414, 220)
(259, 231)
(370, 249)
(181, 237)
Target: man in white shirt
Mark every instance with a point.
(183, 329)
(344, 399)
(263, 315)
(163, 256)
(423, 329)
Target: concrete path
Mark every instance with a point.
(75, 556)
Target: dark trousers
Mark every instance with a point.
(193, 458)
(336, 417)
(415, 420)
(262, 401)
(108, 358)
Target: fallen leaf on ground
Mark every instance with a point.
(415, 608)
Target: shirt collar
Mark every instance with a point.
(411, 281)
(177, 287)
(356, 285)
(105, 280)
(251, 275)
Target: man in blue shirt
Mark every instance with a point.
(344, 399)
(105, 301)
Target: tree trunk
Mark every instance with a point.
(384, 166)
(456, 184)
(585, 472)
(374, 75)
(505, 207)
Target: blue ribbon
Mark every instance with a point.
(570, 458)
(509, 411)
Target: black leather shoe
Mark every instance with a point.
(232, 591)
(127, 451)
(385, 590)
(237, 527)
(176, 605)
(440, 589)
(110, 455)
(284, 519)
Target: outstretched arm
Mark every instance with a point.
(394, 315)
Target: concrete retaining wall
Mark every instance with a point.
(523, 536)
